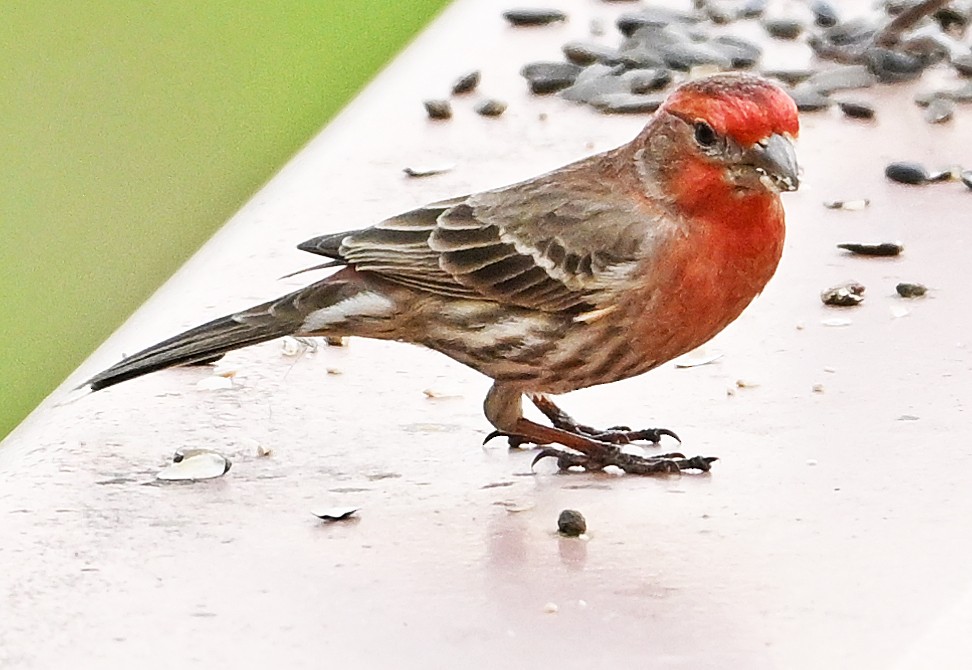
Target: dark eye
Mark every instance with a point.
(704, 134)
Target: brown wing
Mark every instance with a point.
(535, 244)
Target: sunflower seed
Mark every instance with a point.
(845, 295)
(783, 28)
(490, 107)
(438, 109)
(195, 464)
(910, 290)
(856, 110)
(466, 82)
(533, 17)
(571, 523)
(878, 249)
(907, 172)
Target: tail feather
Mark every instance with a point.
(268, 321)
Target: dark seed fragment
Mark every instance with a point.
(943, 175)
(466, 82)
(845, 295)
(571, 523)
(783, 28)
(856, 110)
(893, 66)
(879, 249)
(752, 9)
(647, 80)
(533, 17)
(438, 109)
(841, 78)
(426, 171)
(545, 77)
(741, 53)
(627, 103)
(789, 76)
(966, 177)
(907, 172)
(490, 107)
(963, 65)
(850, 205)
(909, 290)
(824, 14)
(808, 100)
(595, 80)
(628, 23)
(939, 110)
(585, 53)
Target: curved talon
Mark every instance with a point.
(652, 435)
(499, 433)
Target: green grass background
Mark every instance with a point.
(130, 131)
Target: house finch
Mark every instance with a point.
(595, 272)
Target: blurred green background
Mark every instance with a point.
(130, 131)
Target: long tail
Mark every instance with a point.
(268, 321)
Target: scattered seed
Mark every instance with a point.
(849, 205)
(910, 290)
(586, 53)
(841, 78)
(533, 17)
(335, 513)
(746, 384)
(195, 464)
(571, 523)
(907, 172)
(791, 77)
(939, 110)
(824, 14)
(546, 77)
(697, 357)
(426, 171)
(856, 110)
(551, 608)
(878, 249)
(807, 99)
(490, 107)
(438, 109)
(627, 103)
(466, 82)
(845, 295)
(752, 9)
(966, 177)
(963, 64)
(817, 388)
(337, 340)
(783, 28)
(647, 80)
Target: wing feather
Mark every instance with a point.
(537, 244)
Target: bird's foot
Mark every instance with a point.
(593, 454)
(614, 435)
(606, 455)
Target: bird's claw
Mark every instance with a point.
(514, 440)
(624, 435)
(672, 463)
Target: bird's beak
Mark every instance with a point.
(775, 160)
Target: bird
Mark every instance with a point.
(592, 273)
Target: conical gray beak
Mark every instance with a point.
(775, 158)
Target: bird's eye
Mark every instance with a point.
(704, 135)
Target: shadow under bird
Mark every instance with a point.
(595, 272)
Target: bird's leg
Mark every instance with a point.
(615, 435)
(593, 454)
